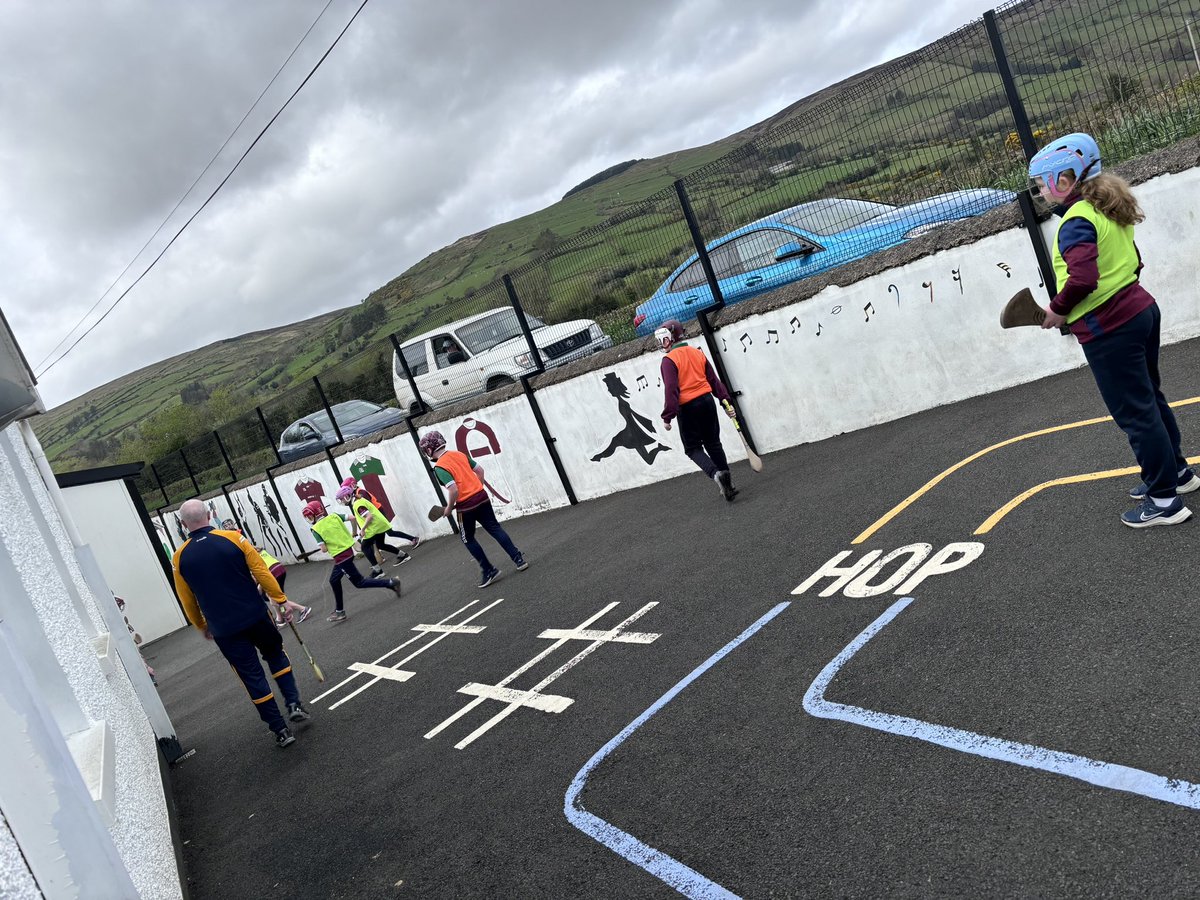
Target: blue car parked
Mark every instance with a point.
(804, 240)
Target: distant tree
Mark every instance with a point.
(546, 241)
(194, 394)
(1121, 88)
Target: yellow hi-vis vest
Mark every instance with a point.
(379, 523)
(333, 534)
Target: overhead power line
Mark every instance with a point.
(216, 190)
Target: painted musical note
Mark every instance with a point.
(747, 341)
(770, 332)
(835, 310)
(1007, 270)
(868, 311)
(818, 329)
(642, 383)
(892, 287)
(957, 273)
(795, 323)
(1041, 278)
(723, 347)
(928, 284)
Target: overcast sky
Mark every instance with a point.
(429, 121)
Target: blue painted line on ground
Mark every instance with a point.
(682, 878)
(1101, 774)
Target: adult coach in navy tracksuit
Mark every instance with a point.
(217, 574)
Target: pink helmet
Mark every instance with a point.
(314, 509)
(344, 493)
(431, 443)
(351, 483)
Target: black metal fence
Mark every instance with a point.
(936, 136)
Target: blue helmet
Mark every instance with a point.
(1076, 153)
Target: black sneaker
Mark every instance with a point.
(725, 480)
(394, 584)
(376, 571)
(284, 738)
(401, 560)
(297, 713)
(521, 564)
(489, 577)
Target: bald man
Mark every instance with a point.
(217, 575)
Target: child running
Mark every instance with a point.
(689, 384)
(1115, 319)
(362, 493)
(372, 528)
(463, 479)
(329, 530)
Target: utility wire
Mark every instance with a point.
(216, 190)
(191, 187)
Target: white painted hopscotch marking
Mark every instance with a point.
(1093, 771)
(545, 702)
(423, 631)
(525, 698)
(590, 634)
(381, 671)
(451, 629)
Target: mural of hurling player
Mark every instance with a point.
(477, 449)
(245, 520)
(183, 535)
(367, 470)
(638, 433)
(272, 543)
(276, 528)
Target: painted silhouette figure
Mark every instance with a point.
(638, 433)
(281, 538)
(268, 537)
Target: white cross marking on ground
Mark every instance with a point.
(423, 631)
(591, 634)
(517, 699)
(381, 671)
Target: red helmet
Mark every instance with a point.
(314, 509)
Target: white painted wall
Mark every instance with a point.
(48, 579)
(109, 522)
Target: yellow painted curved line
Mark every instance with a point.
(991, 521)
(931, 484)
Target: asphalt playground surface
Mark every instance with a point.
(1071, 641)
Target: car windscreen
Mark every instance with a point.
(486, 333)
(832, 215)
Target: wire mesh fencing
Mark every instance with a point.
(1127, 73)
(298, 422)
(598, 288)
(248, 445)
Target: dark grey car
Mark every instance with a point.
(355, 418)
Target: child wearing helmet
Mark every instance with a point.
(463, 480)
(360, 492)
(329, 531)
(1114, 318)
(279, 613)
(372, 528)
(689, 384)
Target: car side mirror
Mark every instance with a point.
(455, 356)
(791, 249)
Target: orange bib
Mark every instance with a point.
(693, 382)
(459, 467)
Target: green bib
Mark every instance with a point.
(333, 534)
(1117, 258)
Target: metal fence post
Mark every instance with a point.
(530, 395)
(706, 328)
(192, 475)
(270, 473)
(336, 430)
(422, 408)
(1021, 123)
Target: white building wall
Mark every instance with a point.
(109, 523)
(139, 826)
(16, 881)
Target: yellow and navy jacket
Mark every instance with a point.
(217, 574)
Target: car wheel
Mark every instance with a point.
(499, 381)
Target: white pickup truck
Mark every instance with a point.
(486, 351)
